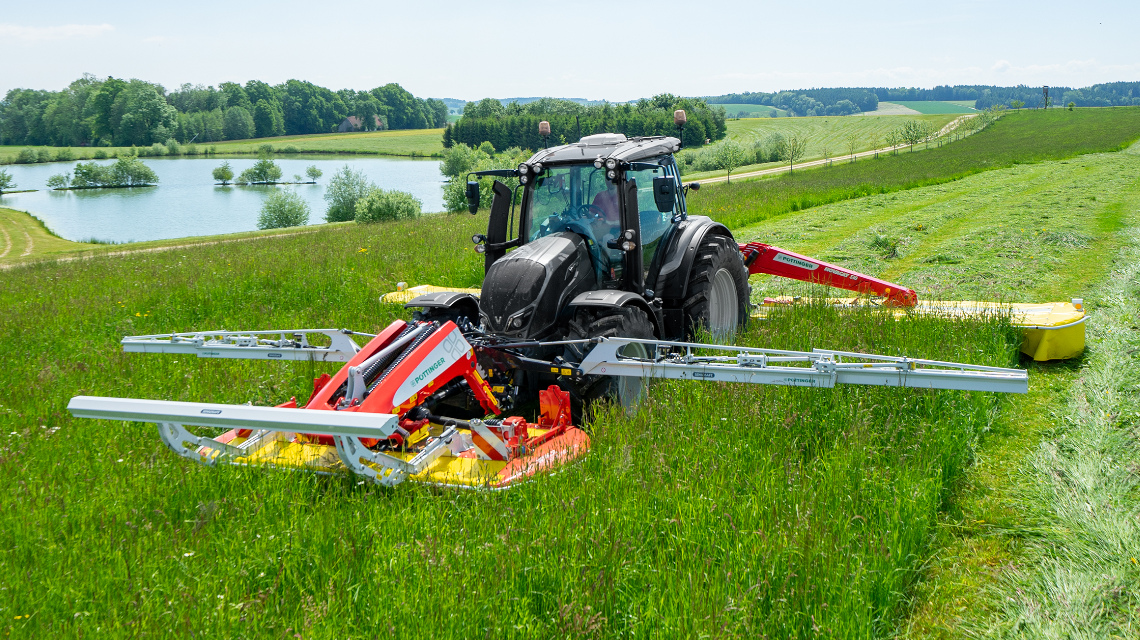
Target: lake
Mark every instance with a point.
(186, 201)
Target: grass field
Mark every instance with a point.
(751, 110)
(929, 107)
(411, 142)
(23, 237)
(832, 134)
(1025, 137)
(714, 508)
(715, 511)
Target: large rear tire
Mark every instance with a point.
(622, 322)
(718, 290)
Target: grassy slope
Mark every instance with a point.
(413, 142)
(756, 110)
(1020, 526)
(23, 237)
(1025, 233)
(783, 529)
(1017, 138)
(830, 132)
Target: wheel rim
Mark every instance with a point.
(724, 308)
(630, 389)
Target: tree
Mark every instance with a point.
(7, 183)
(793, 149)
(345, 188)
(313, 172)
(224, 173)
(264, 171)
(379, 205)
(283, 209)
(729, 157)
(852, 145)
(1071, 105)
(1017, 104)
(59, 181)
(238, 124)
(267, 119)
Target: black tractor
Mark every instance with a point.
(600, 244)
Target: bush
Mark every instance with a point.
(59, 181)
(345, 188)
(26, 156)
(264, 149)
(487, 148)
(283, 209)
(64, 155)
(290, 149)
(43, 155)
(191, 149)
(383, 206)
(100, 154)
(158, 149)
(173, 148)
(7, 183)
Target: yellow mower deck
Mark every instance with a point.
(1051, 330)
(464, 471)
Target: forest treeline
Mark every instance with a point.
(852, 100)
(115, 112)
(516, 125)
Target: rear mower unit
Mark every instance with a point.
(599, 283)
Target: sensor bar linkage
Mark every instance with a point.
(291, 344)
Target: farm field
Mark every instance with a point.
(716, 510)
(928, 107)
(1030, 136)
(830, 133)
(751, 110)
(411, 142)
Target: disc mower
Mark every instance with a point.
(596, 279)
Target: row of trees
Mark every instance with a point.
(850, 100)
(110, 111)
(516, 125)
(127, 171)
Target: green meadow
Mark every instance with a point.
(930, 107)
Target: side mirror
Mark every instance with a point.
(665, 193)
(695, 186)
(473, 196)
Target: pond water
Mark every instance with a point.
(186, 201)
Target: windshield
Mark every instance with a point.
(578, 198)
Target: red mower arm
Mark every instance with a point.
(764, 258)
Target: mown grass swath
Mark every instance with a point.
(1029, 136)
(716, 509)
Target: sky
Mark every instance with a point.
(609, 50)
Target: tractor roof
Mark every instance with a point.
(608, 145)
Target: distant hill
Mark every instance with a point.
(455, 105)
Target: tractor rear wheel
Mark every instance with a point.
(622, 322)
(718, 292)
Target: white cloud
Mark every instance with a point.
(58, 32)
(1001, 65)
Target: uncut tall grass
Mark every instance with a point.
(716, 510)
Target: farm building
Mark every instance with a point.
(352, 123)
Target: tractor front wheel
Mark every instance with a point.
(622, 322)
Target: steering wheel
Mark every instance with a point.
(589, 212)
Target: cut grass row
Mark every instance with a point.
(932, 106)
(1019, 138)
(716, 508)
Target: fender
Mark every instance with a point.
(443, 300)
(614, 299)
(673, 279)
